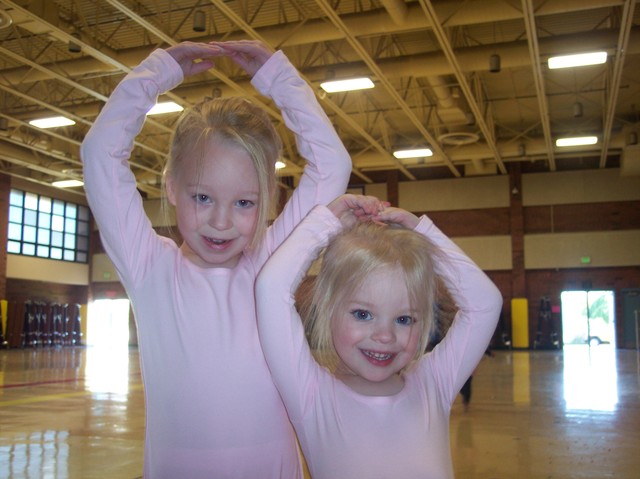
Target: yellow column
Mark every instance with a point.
(520, 322)
(83, 323)
(3, 312)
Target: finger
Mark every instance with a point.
(202, 66)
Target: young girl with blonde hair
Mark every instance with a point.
(212, 410)
(371, 404)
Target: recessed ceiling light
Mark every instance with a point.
(52, 122)
(576, 141)
(578, 60)
(352, 84)
(415, 153)
(67, 183)
(164, 107)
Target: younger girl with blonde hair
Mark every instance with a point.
(372, 404)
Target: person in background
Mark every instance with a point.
(212, 409)
(363, 397)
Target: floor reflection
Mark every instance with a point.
(71, 413)
(79, 413)
(107, 370)
(590, 378)
(40, 454)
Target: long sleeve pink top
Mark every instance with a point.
(212, 410)
(346, 435)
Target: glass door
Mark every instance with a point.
(588, 318)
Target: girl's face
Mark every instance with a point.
(376, 334)
(216, 205)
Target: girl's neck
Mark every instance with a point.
(390, 387)
(195, 259)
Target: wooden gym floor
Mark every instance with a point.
(79, 413)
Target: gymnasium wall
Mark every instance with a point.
(568, 218)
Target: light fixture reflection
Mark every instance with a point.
(67, 183)
(351, 84)
(52, 122)
(164, 107)
(576, 141)
(579, 60)
(414, 153)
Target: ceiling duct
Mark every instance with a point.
(5, 20)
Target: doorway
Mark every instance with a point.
(108, 323)
(588, 318)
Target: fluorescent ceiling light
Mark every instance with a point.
(52, 122)
(416, 153)
(347, 85)
(280, 164)
(577, 141)
(579, 60)
(67, 183)
(164, 107)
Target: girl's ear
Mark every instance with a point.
(170, 187)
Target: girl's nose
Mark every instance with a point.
(384, 332)
(220, 219)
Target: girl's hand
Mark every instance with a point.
(193, 57)
(352, 208)
(249, 55)
(397, 216)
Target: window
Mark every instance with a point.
(47, 228)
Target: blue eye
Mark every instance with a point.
(244, 203)
(405, 320)
(202, 199)
(361, 315)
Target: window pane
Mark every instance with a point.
(31, 201)
(15, 214)
(72, 210)
(15, 232)
(29, 233)
(44, 220)
(56, 238)
(46, 227)
(16, 198)
(69, 225)
(58, 207)
(83, 243)
(43, 236)
(57, 223)
(69, 241)
(45, 204)
(30, 217)
(83, 228)
(83, 213)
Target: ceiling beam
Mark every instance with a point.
(534, 55)
(614, 86)
(390, 89)
(489, 134)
